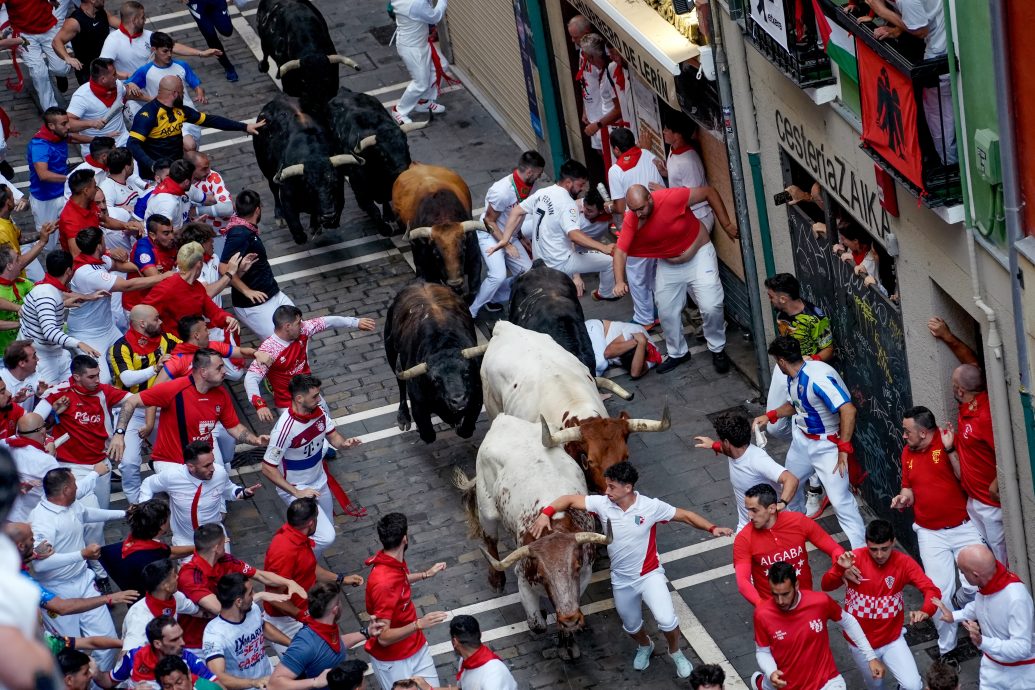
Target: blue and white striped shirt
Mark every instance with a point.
(817, 393)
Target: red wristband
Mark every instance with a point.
(711, 530)
(717, 446)
(772, 416)
(258, 403)
(845, 446)
(548, 511)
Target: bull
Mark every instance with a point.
(544, 299)
(296, 156)
(363, 127)
(296, 36)
(516, 477)
(527, 375)
(434, 205)
(431, 343)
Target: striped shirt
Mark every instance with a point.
(817, 393)
(135, 372)
(43, 321)
(296, 446)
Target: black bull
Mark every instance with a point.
(430, 343)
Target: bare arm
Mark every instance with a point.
(25, 660)
(583, 240)
(44, 173)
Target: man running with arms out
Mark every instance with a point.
(792, 646)
(294, 458)
(775, 536)
(636, 573)
(876, 602)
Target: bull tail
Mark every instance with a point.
(469, 499)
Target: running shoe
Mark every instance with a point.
(683, 665)
(642, 659)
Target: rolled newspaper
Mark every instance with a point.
(760, 437)
(603, 192)
(60, 440)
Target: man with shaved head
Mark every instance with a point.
(662, 225)
(209, 182)
(999, 620)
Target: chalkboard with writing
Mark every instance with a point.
(870, 356)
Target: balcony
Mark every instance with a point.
(791, 45)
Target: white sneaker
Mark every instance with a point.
(683, 666)
(642, 659)
(432, 107)
(400, 118)
(815, 502)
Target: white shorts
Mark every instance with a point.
(420, 665)
(652, 590)
(898, 659)
(835, 683)
(259, 319)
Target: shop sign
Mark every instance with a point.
(770, 15)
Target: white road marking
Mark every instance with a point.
(703, 644)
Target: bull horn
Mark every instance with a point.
(651, 424)
(415, 371)
(609, 385)
(472, 352)
(342, 60)
(422, 233)
(413, 126)
(559, 437)
(290, 171)
(511, 559)
(365, 143)
(288, 66)
(595, 537)
(470, 225)
(346, 159)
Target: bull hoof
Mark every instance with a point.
(537, 625)
(497, 581)
(264, 66)
(568, 649)
(464, 433)
(299, 237)
(428, 438)
(279, 222)
(402, 420)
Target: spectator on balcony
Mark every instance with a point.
(925, 19)
(599, 98)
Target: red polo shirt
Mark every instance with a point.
(187, 415)
(174, 298)
(87, 421)
(198, 579)
(31, 16)
(975, 444)
(667, 233)
(74, 218)
(938, 498)
(290, 555)
(9, 419)
(390, 598)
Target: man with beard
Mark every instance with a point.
(157, 130)
(19, 373)
(152, 254)
(135, 360)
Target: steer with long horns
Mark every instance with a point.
(431, 344)
(434, 205)
(295, 35)
(516, 477)
(526, 374)
(296, 155)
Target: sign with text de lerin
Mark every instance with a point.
(770, 15)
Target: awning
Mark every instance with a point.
(652, 47)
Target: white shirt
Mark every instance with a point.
(817, 393)
(624, 96)
(93, 322)
(175, 207)
(492, 675)
(14, 386)
(19, 606)
(554, 214)
(930, 15)
(119, 195)
(644, 172)
(85, 105)
(63, 528)
(139, 615)
(754, 467)
(182, 487)
(1006, 624)
(241, 645)
(598, 97)
(33, 464)
(128, 53)
(502, 198)
(686, 170)
(634, 551)
(600, 339)
(99, 176)
(296, 448)
(412, 19)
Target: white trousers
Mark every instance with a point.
(93, 622)
(652, 590)
(130, 465)
(592, 262)
(989, 523)
(897, 658)
(938, 550)
(420, 665)
(422, 87)
(285, 624)
(259, 319)
(93, 532)
(54, 367)
(34, 269)
(700, 277)
(41, 61)
(103, 344)
(639, 273)
(835, 683)
(495, 286)
(806, 457)
(993, 676)
(324, 534)
(47, 212)
(941, 120)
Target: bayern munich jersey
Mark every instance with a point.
(296, 447)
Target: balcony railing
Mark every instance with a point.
(803, 60)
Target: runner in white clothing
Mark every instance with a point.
(619, 343)
(161, 598)
(479, 667)
(556, 217)
(503, 196)
(294, 460)
(106, 114)
(412, 21)
(636, 572)
(197, 491)
(749, 464)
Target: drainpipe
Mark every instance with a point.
(747, 249)
(1012, 207)
(553, 117)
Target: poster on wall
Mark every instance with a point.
(524, 34)
(648, 117)
(769, 14)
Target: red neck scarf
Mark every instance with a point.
(82, 259)
(51, 280)
(170, 186)
(160, 607)
(305, 417)
(628, 160)
(999, 581)
(142, 344)
(105, 96)
(79, 390)
(123, 29)
(859, 256)
(13, 284)
(22, 442)
(521, 188)
(328, 632)
(483, 656)
(677, 150)
(94, 162)
(619, 76)
(131, 545)
(46, 135)
(237, 220)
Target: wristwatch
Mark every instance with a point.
(120, 431)
(366, 631)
